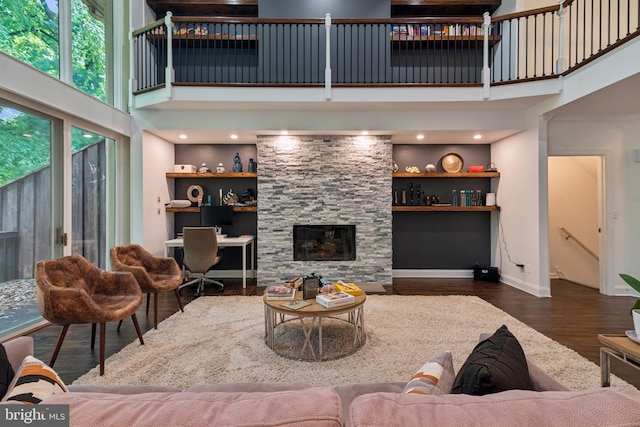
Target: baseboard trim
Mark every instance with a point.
(228, 274)
(433, 274)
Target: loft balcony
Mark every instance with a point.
(322, 54)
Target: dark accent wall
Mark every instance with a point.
(212, 154)
(441, 240)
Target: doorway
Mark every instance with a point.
(575, 218)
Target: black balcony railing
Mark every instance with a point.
(536, 44)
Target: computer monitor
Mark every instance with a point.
(216, 216)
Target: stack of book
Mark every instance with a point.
(280, 292)
(335, 299)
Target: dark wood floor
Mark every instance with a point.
(574, 316)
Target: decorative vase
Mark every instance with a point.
(253, 166)
(237, 165)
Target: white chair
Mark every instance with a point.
(200, 256)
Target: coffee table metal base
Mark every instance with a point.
(316, 344)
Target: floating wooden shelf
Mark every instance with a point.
(212, 175)
(195, 209)
(445, 208)
(459, 40)
(447, 175)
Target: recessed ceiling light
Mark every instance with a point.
(284, 132)
(182, 136)
(477, 136)
(364, 132)
(420, 136)
(233, 136)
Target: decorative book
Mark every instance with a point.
(335, 299)
(350, 288)
(280, 292)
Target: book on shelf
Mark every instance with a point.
(335, 299)
(280, 292)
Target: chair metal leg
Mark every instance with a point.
(179, 300)
(102, 341)
(137, 326)
(119, 324)
(93, 335)
(63, 333)
(148, 296)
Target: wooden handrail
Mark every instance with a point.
(582, 245)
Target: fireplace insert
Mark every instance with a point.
(324, 242)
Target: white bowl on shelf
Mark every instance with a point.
(180, 203)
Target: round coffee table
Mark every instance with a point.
(314, 333)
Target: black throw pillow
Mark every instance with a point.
(495, 364)
(6, 372)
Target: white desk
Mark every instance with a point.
(223, 242)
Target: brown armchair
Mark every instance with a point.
(153, 274)
(72, 290)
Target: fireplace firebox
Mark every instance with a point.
(324, 242)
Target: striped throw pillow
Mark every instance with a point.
(435, 377)
(33, 382)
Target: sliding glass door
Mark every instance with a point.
(25, 211)
(89, 195)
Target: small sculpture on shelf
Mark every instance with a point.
(204, 168)
(430, 168)
(253, 166)
(412, 169)
(237, 164)
(230, 198)
(220, 167)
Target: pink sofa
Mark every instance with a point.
(370, 405)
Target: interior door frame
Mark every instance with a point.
(605, 243)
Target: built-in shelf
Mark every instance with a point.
(195, 209)
(208, 40)
(207, 175)
(459, 40)
(447, 175)
(404, 208)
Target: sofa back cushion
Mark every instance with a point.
(312, 407)
(616, 406)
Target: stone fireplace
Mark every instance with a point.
(326, 242)
(325, 180)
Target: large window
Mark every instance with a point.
(30, 30)
(25, 212)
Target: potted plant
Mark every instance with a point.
(635, 284)
(635, 309)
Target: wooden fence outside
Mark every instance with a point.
(25, 215)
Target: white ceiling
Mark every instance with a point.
(398, 137)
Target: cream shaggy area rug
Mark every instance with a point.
(221, 339)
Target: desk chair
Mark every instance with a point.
(200, 256)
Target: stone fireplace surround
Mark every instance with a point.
(324, 179)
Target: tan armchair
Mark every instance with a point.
(153, 274)
(72, 290)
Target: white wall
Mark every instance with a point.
(517, 194)
(573, 204)
(157, 158)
